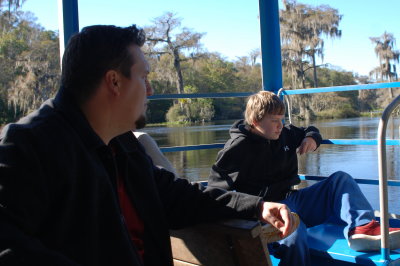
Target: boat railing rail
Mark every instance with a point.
(285, 92)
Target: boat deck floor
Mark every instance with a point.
(329, 247)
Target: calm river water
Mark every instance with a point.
(358, 160)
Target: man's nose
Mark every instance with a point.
(149, 89)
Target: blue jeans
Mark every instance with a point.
(337, 199)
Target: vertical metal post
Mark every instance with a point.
(383, 190)
(383, 197)
(270, 45)
(68, 22)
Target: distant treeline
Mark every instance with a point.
(30, 68)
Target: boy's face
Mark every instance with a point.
(270, 127)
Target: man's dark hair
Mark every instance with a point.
(94, 51)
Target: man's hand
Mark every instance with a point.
(278, 215)
(307, 145)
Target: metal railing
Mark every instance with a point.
(383, 182)
(283, 92)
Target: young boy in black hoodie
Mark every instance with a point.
(260, 159)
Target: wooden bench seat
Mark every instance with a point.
(230, 242)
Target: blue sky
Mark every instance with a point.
(232, 26)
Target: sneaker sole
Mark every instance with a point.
(360, 242)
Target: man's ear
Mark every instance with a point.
(113, 80)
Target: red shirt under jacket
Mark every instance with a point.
(132, 220)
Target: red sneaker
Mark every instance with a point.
(368, 237)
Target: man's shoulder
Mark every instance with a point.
(39, 124)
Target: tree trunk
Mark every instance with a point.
(177, 66)
(303, 81)
(389, 74)
(391, 93)
(302, 108)
(315, 70)
(302, 76)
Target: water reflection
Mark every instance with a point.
(359, 161)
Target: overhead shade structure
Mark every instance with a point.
(270, 45)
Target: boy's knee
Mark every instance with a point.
(341, 174)
(341, 177)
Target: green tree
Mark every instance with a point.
(163, 38)
(335, 104)
(248, 74)
(302, 27)
(254, 54)
(191, 110)
(29, 62)
(213, 73)
(163, 75)
(12, 44)
(39, 74)
(10, 5)
(388, 57)
(217, 75)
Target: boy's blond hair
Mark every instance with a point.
(261, 104)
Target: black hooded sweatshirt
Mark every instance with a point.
(252, 164)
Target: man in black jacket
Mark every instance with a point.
(260, 159)
(76, 188)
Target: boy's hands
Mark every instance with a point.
(279, 216)
(307, 145)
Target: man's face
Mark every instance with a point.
(142, 120)
(134, 90)
(270, 127)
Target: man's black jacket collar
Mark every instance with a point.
(65, 103)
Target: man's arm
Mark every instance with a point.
(189, 204)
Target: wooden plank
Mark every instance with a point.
(201, 246)
(226, 243)
(239, 227)
(252, 252)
